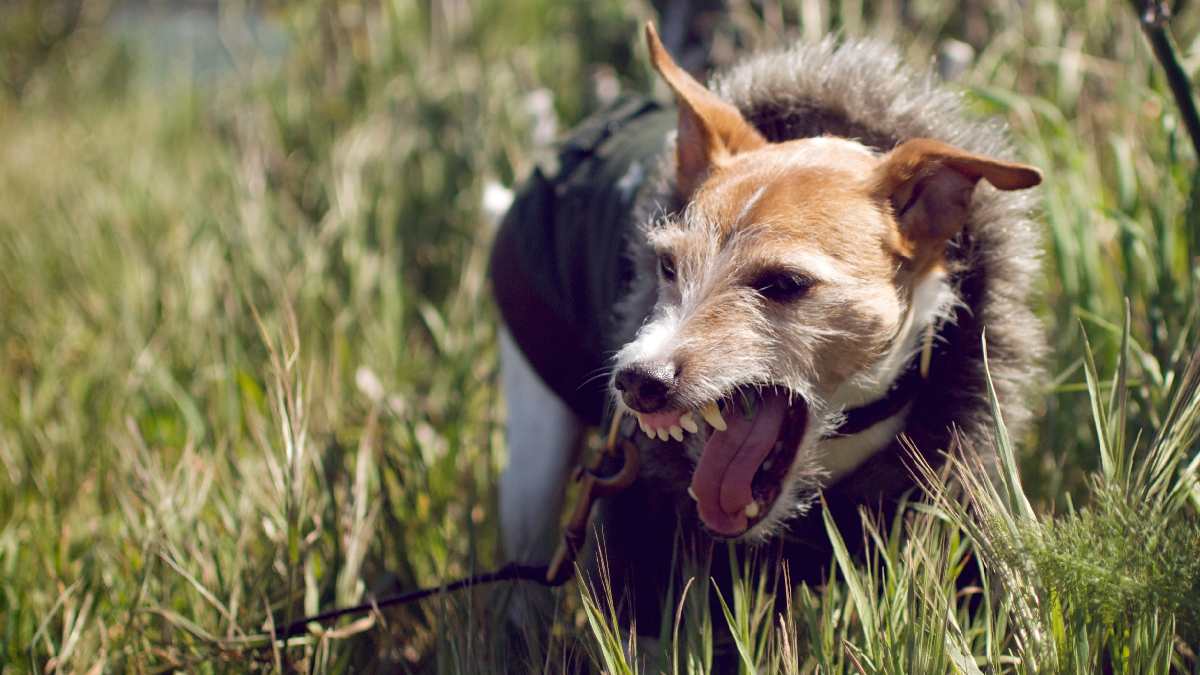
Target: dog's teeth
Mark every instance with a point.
(663, 434)
(676, 432)
(712, 415)
(642, 424)
(692, 494)
(751, 510)
(688, 423)
(648, 431)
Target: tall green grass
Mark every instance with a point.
(247, 357)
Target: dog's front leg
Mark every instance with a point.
(542, 436)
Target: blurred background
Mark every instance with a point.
(247, 353)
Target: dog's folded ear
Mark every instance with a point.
(929, 184)
(710, 129)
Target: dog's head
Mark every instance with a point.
(785, 288)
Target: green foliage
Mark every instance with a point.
(247, 358)
(1113, 561)
(1109, 585)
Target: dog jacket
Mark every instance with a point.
(559, 262)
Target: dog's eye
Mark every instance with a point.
(666, 267)
(782, 286)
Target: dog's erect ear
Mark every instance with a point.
(929, 185)
(710, 129)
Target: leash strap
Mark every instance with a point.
(595, 482)
(597, 478)
(606, 473)
(510, 572)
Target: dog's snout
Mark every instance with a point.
(646, 387)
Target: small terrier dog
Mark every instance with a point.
(805, 265)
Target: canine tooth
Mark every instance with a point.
(751, 510)
(688, 423)
(648, 431)
(662, 434)
(642, 423)
(692, 494)
(712, 415)
(676, 432)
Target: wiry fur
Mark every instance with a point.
(860, 91)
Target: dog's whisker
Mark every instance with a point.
(602, 374)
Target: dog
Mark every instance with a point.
(791, 282)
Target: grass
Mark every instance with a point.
(247, 355)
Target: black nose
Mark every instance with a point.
(646, 386)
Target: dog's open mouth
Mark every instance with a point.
(751, 443)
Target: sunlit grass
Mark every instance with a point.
(247, 355)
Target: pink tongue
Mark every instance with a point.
(729, 461)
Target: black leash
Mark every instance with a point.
(510, 572)
(608, 472)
